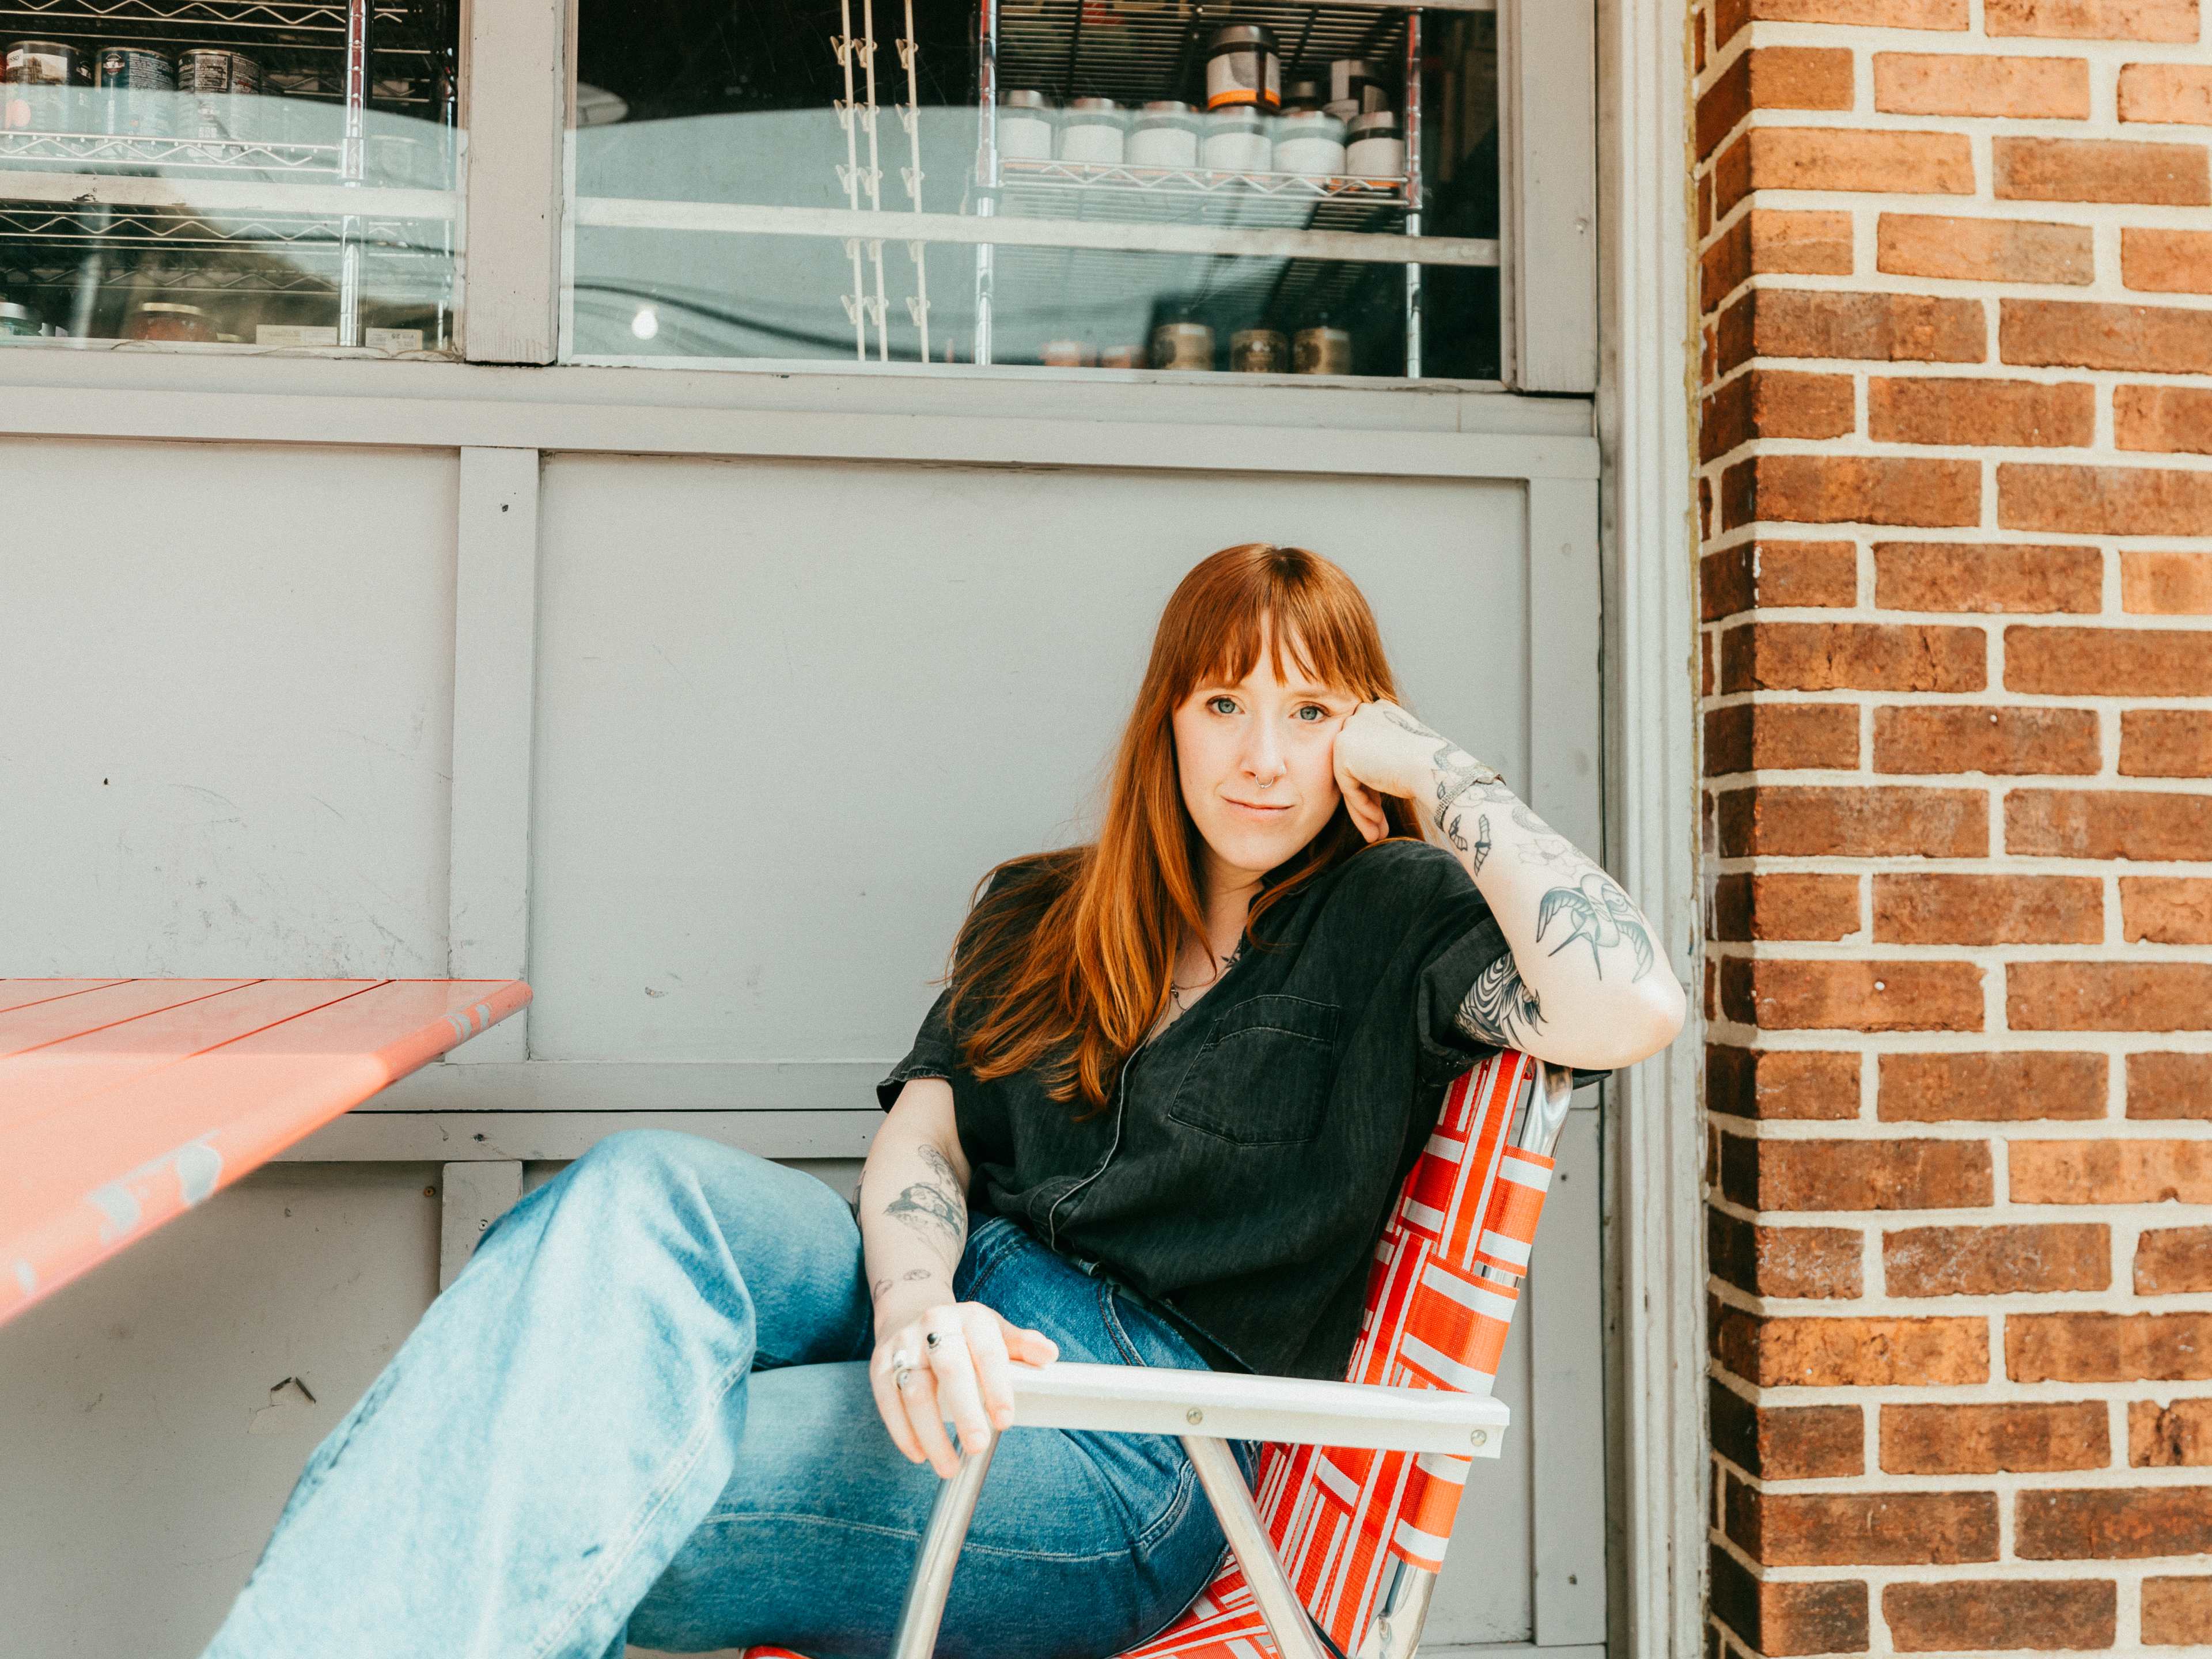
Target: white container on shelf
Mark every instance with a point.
(1237, 142)
(1165, 135)
(1094, 131)
(1025, 127)
(1309, 142)
(1377, 147)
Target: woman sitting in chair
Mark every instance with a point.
(1178, 1077)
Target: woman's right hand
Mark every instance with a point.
(966, 1374)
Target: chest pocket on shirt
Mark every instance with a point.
(1262, 1078)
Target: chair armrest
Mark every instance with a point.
(1230, 1406)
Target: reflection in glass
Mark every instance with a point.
(271, 173)
(1077, 184)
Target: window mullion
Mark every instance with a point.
(516, 76)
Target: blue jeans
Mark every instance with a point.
(643, 1412)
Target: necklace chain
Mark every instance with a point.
(1176, 991)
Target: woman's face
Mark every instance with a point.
(1255, 762)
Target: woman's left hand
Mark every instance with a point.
(1381, 750)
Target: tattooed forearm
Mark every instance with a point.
(1500, 1009)
(1596, 911)
(935, 1207)
(1545, 845)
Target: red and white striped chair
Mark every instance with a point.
(1359, 1480)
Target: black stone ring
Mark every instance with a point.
(930, 1339)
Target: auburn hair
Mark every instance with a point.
(1064, 962)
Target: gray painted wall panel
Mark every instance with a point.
(789, 713)
(226, 717)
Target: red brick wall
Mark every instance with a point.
(1955, 493)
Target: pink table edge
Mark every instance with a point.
(54, 1245)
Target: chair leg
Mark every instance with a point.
(1396, 1630)
(1223, 1482)
(940, 1553)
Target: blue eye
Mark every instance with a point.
(1315, 710)
(1222, 705)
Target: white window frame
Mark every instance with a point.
(517, 104)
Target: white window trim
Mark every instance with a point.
(1655, 1234)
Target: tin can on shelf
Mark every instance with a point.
(1376, 147)
(1242, 67)
(1321, 349)
(1068, 354)
(134, 93)
(1024, 126)
(1237, 142)
(1093, 130)
(1165, 135)
(167, 319)
(1124, 356)
(1182, 346)
(219, 94)
(1258, 351)
(1310, 142)
(1304, 93)
(39, 84)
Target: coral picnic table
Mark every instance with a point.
(125, 1102)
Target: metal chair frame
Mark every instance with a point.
(1206, 1409)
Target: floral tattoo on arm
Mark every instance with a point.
(935, 1208)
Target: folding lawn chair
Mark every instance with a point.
(1359, 1480)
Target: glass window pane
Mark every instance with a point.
(269, 174)
(1064, 184)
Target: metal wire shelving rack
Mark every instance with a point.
(1140, 50)
(80, 210)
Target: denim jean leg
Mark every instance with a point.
(564, 1416)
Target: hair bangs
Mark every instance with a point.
(1281, 602)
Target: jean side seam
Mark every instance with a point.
(685, 1460)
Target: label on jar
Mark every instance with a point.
(38, 84)
(134, 90)
(392, 339)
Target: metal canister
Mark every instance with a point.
(1354, 80)
(1242, 67)
(1182, 346)
(166, 319)
(1025, 125)
(1374, 146)
(1321, 349)
(1166, 135)
(1305, 93)
(219, 94)
(20, 321)
(134, 92)
(1258, 351)
(40, 81)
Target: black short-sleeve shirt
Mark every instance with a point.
(1247, 1160)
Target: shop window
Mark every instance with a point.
(1074, 185)
(250, 173)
